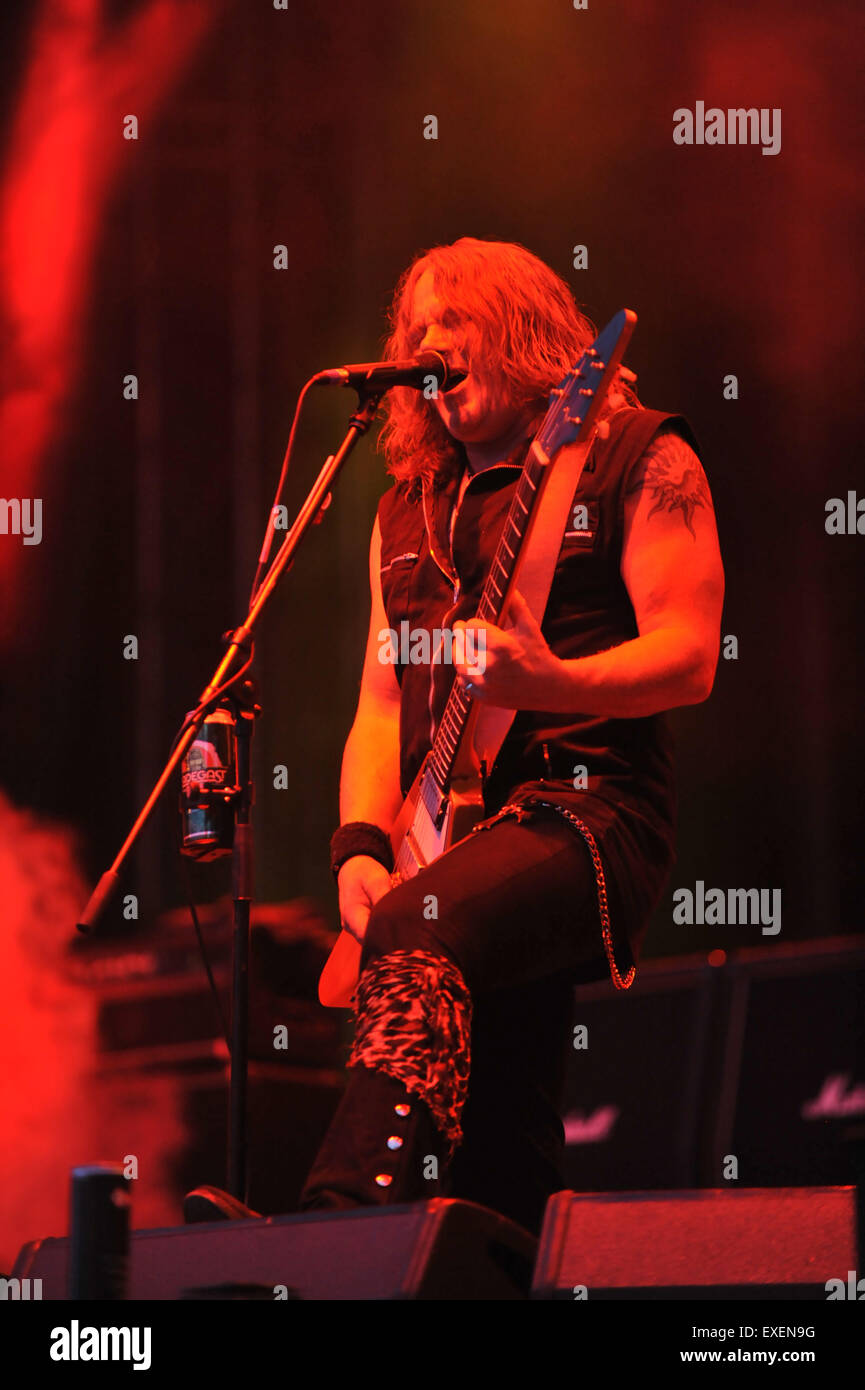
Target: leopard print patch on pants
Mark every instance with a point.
(413, 1022)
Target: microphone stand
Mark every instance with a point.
(239, 645)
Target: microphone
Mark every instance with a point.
(381, 376)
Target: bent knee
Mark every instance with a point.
(397, 923)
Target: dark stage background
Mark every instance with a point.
(261, 127)
(304, 127)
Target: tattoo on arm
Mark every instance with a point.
(674, 478)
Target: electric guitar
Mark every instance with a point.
(446, 798)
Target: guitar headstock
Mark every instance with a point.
(576, 401)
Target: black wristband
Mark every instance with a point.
(359, 837)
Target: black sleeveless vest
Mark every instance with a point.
(430, 578)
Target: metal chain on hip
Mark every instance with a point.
(520, 810)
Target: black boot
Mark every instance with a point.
(213, 1204)
(382, 1148)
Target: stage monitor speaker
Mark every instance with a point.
(634, 1093)
(753, 1243)
(440, 1249)
(791, 1103)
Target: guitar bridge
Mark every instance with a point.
(435, 802)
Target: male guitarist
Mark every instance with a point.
(464, 1002)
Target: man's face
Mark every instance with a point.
(479, 410)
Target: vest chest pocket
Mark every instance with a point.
(396, 575)
(582, 531)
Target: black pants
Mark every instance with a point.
(515, 907)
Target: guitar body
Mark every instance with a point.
(446, 798)
(428, 825)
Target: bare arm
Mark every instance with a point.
(671, 566)
(369, 786)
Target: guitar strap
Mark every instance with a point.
(533, 577)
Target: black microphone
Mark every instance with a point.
(381, 376)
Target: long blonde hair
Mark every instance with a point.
(530, 326)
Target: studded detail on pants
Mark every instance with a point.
(381, 1148)
(397, 1126)
(414, 1016)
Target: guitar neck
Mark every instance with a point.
(570, 418)
(456, 711)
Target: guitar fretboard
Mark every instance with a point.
(572, 411)
(450, 729)
(453, 721)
